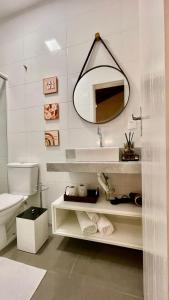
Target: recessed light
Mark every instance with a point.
(52, 45)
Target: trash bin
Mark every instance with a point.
(32, 229)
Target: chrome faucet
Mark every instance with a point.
(100, 136)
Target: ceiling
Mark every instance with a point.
(8, 8)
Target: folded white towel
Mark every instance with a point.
(105, 227)
(86, 225)
(93, 217)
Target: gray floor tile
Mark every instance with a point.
(115, 266)
(49, 257)
(80, 270)
(62, 287)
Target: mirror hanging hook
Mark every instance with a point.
(97, 36)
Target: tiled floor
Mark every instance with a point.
(80, 270)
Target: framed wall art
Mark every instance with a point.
(52, 138)
(51, 111)
(50, 85)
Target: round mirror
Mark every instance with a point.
(101, 94)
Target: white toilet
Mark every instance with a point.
(22, 183)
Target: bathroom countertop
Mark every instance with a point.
(94, 167)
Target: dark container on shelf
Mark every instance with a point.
(92, 197)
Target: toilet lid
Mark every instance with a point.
(8, 200)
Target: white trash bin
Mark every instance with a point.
(32, 229)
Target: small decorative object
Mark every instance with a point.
(52, 138)
(82, 190)
(71, 190)
(50, 85)
(134, 198)
(129, 151)
(51, 111)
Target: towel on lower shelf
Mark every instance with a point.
(105, 227)
(87, 226)
(93, 217)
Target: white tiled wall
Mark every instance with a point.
(73, 24)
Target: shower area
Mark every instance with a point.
(3, 136)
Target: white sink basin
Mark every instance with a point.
(97, 154)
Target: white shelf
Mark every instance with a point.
(127, 234)
(95, 167)
(125, 217)
(102, 206)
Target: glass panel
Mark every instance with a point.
(3, 137)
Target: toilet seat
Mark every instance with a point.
(9, 200)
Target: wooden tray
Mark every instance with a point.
(92, 196)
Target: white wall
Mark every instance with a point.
(73, 23)
(154, 149)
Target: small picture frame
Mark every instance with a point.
(51, 111)
(50, 85)
(52, 138)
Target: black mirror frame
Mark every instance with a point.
(100, 66)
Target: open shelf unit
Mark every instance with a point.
(101, 206)
(125, 217)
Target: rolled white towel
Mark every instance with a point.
(93, 217)
(86, 225)
(105, 227)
